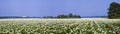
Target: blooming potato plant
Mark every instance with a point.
(60, 26)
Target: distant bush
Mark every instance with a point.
(70, 15)
(114, 10)
(48, 17)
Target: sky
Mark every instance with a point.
(41, 8)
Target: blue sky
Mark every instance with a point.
(54, 7)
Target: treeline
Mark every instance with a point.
(70, 15)
(114, 10)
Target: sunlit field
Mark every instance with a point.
(60, 26)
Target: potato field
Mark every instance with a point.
(60, 26)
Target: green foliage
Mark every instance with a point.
(114, 10)
(70, 15)
(62, 16)
(48, 17)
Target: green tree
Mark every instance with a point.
(70, 15)
(61, 16)
(77, 16)
(114, 10)
(48, 17)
